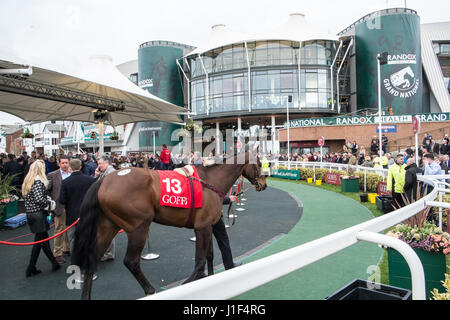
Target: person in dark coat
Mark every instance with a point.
(410, 187)
(445, 148)
(435, 146)
(12, 168)
(71, 195)
(37, 205)
(426, 140)
(89, 166)
(220, 233)
(374, 145)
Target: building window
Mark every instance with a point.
(134, 78)
(270, 84)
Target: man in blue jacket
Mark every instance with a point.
(89, 165)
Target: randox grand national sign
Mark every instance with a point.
(364, 120)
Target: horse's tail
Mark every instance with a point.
(85, 246)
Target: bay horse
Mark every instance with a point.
(131, 202)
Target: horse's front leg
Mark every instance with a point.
(202, 246)
(210, 258)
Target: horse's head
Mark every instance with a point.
(253, 173)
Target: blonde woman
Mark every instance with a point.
(34, 189)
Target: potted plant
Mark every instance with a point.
(114, 136)
(27, 134)
(349, 182)
(190, 127)
(445, 295)
(429, 242)
(8, 202)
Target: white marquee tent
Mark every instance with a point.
(96, 92)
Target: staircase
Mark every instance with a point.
(344, 80)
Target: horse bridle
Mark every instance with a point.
(257, 176)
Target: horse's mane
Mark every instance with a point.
(221, 161)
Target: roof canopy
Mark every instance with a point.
(296, 28)
(97, 91)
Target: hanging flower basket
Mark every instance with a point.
(190, 127)
(27, 134)
(114, 136)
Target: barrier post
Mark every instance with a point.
(365, 180)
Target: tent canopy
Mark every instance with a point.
(296, 28)
(97, 91)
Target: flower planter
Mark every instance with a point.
(364, 197)
(2, 218)
(349, 185)
(364, 290)
(384, 203)
(433, 265)
(11, 209)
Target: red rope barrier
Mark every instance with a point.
(40, 241)
(24, 235)
(43, 240)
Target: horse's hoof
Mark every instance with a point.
(188, 280)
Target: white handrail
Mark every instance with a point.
(414, 263)
(249, 276)
(339, 166)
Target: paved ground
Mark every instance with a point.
(268, 216)
(324, 212)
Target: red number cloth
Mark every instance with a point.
(176, 191)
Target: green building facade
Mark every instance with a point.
(398, 34)
(158, 74)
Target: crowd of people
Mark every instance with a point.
(353, 154)
(54, 187)
(57, 184)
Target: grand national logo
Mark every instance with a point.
(402, 82)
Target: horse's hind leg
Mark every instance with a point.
(87, 285)
(202, 246)
(136, 243)
(106, 231)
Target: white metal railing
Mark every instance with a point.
(230, 283)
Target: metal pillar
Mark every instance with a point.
(101, 142)
(218, 140)
(273, 133)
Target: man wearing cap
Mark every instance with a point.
(431, 168)
(396, 179)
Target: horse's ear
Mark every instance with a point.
(256, 147)
(253, 152)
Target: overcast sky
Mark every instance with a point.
(60, 33)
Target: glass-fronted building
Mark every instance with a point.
(239, 80)
(220, 80)
(242, 81)
(252, 75)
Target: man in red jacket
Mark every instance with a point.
(165, 157)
